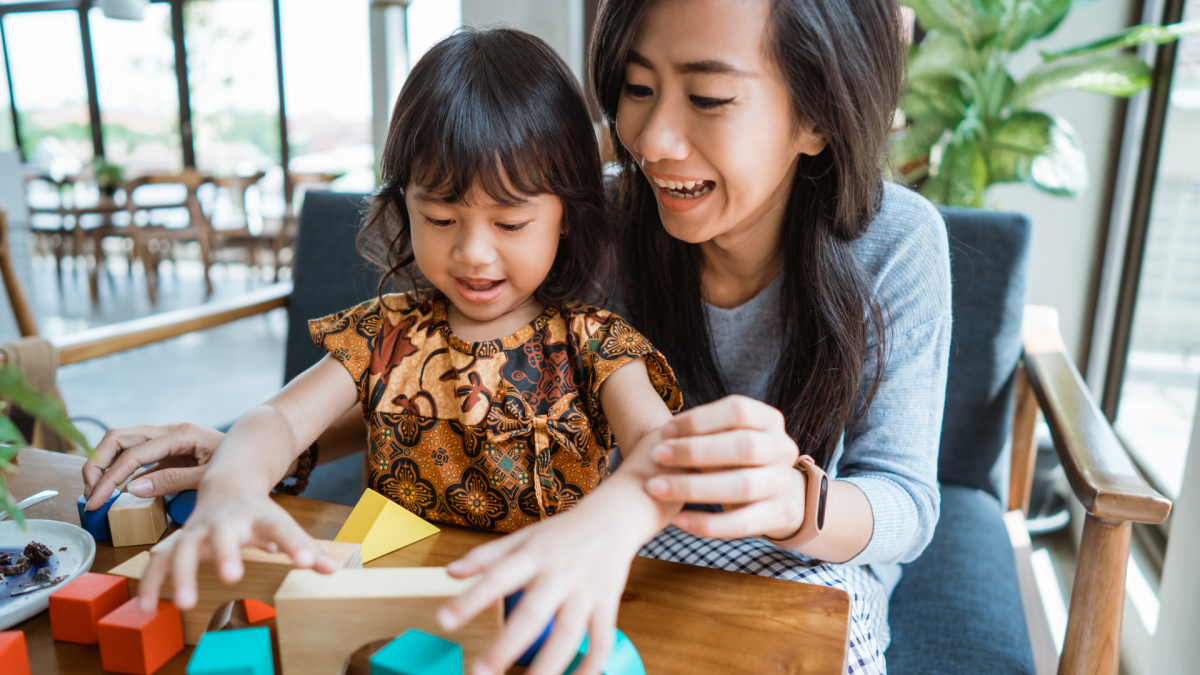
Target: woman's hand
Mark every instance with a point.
(746, 460)
(222, 523)
(181, 451)
(573, 567)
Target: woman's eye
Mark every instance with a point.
(637, 90)
(511, 227)
(438, 223)
(708, 103)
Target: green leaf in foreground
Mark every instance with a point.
(1120, 74)
(1130, 37)
(47, 409)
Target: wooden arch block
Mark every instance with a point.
(77, 607)
(323, 619)
(382, 526)
(134, 642)
(264, 572)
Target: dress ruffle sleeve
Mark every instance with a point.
(350, 336)
(616, 343)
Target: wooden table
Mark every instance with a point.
(683, 619)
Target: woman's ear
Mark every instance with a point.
(810, 142)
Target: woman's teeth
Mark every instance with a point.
(689, 189)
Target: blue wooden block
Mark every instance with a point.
(510, 603)
(245, 651)
(417, 653)
(96, 522)
(180, 505)
(624, 659)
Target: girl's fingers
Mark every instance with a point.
(748, 521)
(156, 572)
(227, 551)
(724, 449)
(601, 636)
(294, 541)
(727, 414)
(737, 486)
(563, 644)
(183, 570)
(504, 578)
(484, 556)
(522, 627)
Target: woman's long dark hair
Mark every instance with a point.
(499, 109)
(843, 63)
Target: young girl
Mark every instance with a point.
(492, 397)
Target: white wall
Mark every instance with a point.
(12, 199)
(558, 22)
(1066, 232)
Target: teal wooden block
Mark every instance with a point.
(418, 653)
(245, 651)
(624, 659)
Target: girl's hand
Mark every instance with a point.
(181, 451)
(573, 567)
(221, 524)
(747, 460)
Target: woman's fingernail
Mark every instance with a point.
(141, 487)
(658, 487)
(662, 453)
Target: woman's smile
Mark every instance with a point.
(680, 193)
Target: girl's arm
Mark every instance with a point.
(573, 567)
(233, 508)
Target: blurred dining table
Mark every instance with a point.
(103, 209)
(681, 618)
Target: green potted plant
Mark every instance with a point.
(971, 124)
(44, 408)
(109, 177)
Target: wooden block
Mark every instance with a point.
(245, 651)
(382, 526)
(417, 653)
(137, 521)
(96, 522)
(323, 619)
(14, 657)
(139, 643)
(257, 611)
(77, 607)
(264, 573)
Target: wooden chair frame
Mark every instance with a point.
(1100, 472)
(198, 229)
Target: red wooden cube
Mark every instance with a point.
(138, 643)
(76, 607)
(14, 659)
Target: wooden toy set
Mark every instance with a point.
(125, 519)
(320, 620)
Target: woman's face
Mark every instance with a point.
(708, 116)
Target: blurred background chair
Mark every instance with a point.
(164, 212)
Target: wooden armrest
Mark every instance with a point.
(1101, 474)
(105, 340)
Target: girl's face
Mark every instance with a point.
(486, 258)
(708, 116)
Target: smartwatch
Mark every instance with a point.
(816, 485)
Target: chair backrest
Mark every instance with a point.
(328, 273)
(989, 255)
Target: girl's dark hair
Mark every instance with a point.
(843, 63)
(499, 109)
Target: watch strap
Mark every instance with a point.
(816, 492)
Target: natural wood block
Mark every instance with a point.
(323, 619)
(264, 572)
(382, 526)
(257, 611)
(139, 643)
(14, 657)
(77, 607)
(136, 521)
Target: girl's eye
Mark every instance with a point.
(438, 223)
(637, 90)
(707, 103)
(513, 227)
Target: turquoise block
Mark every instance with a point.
(245, 651)
(624, 659)
(417, 653)
(96, 522)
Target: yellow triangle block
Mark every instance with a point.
(381, 526)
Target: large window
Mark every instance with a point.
(43, 48)
(137, 90)
(7, 137)
(1162, 373)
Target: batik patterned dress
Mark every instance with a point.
(494, 435)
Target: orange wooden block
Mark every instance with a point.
(137, 643)
(258, 611)
(76, 607)
(14, 659)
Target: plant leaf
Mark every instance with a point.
(974, 21)
(1120, 74)
(7, 454)
(938, 51)
(1130, 37)
(961, 176)
(1038, 149)
(913, 143)
(47, 409)
(9, 433)
(1030, 19)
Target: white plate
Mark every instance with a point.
(74, 561)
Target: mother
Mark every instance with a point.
(803, 302)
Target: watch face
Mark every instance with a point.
(821, 503)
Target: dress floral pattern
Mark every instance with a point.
(494, 435)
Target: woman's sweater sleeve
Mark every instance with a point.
(891, 454)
